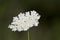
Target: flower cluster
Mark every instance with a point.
(24, 21)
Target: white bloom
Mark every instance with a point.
(24, 21)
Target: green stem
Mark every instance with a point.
(28, 35)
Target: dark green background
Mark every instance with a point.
(49, 26)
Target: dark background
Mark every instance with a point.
(49, 26)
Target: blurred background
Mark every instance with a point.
(49, 26)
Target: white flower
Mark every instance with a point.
(24, 21)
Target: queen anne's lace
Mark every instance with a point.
(24, 21)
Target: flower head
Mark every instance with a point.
(24, 21)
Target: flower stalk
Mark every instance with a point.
(28, 35)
